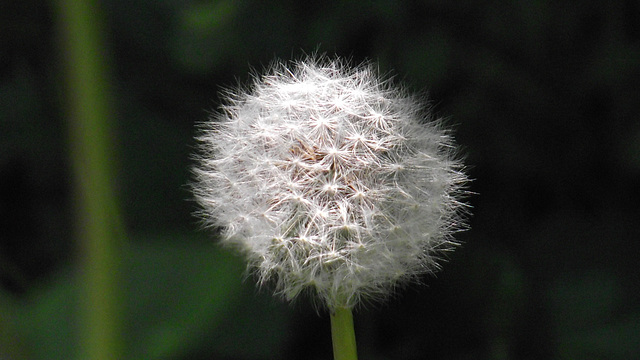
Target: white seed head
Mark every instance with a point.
(331, 181)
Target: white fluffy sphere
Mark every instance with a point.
(330, 180)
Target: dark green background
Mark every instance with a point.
(544, 97)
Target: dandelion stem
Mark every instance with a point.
(343, 335)
(99, 223)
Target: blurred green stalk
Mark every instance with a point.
(101, 235)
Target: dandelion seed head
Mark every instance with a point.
(331, 180)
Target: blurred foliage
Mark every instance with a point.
(178, 296)
(545, 102)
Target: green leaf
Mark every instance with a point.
(173, 293)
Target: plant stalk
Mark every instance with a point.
(101, 231)
(343, 335)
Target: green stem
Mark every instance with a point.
(343, 335)
(90, 119)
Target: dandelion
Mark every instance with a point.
(331, 180)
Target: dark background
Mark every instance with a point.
(544, 98)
